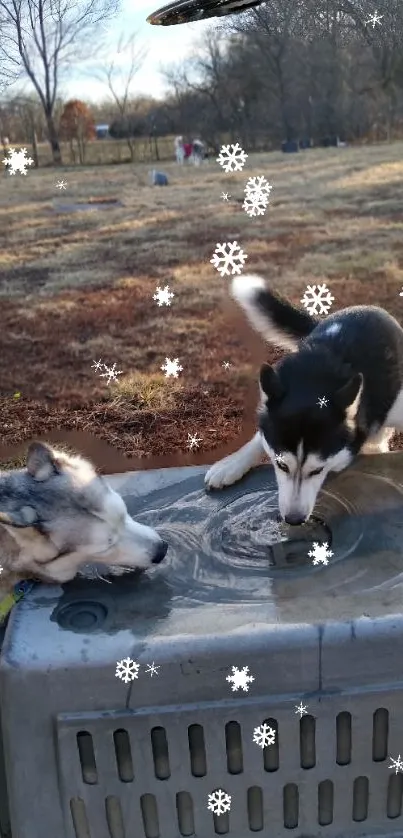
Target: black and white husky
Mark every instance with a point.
(339, 393)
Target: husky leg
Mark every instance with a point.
(233, 467)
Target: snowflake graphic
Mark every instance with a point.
(228, 255)
(322, 401)
(111, 374)
(225, 196)
(163, 296)
(18, 161)
(194, 441)
(127, 670)
(171, 367)
(301, 709)
(396, 763)
(226, 365)
(219, 802)
(320, 553)
(280, 460)
(61, 184)
(255, 203)
(264, 735)
(258, 186)
(240, 679)
(317, 301)
(374, 19)
(234, 160)
(152, 669)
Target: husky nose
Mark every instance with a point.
(160, 552)
(295, 519)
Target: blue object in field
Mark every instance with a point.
(158, 178)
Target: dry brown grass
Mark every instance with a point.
(78, 287)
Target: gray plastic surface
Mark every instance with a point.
(88, 756)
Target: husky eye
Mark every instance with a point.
(282, 466)
(315, 472)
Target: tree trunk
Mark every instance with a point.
(54, 140)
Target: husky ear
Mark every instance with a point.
(41, 461)
(270, 382)
(349, 394)
(24, 517)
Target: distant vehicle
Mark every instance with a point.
(188, 11)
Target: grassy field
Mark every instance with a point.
(78, 287)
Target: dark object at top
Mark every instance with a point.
(187, 11)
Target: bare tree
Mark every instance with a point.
(44, 38)
(119, 74)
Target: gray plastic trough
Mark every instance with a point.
(88, 756)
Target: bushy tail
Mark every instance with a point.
(277, 320)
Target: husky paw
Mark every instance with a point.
(224, 473)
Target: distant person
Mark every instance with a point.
(198, 152)
(179, 150)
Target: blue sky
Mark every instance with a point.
(166, 45)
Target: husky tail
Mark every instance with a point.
(277, 320)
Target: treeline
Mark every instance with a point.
(283, 71)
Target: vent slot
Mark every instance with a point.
(343, 738)
(184, 808)
(197, 751)
(221, 823)
(255, 809)
(160, 753)
(307, 742)
(87, 757)
(290, 806)
(380, 733)
(79, 818)
(233, 742)
(325, 803)
(360, 799)
(395, 793)
(149, 813)
(114, 817)
(123, 754)
(271, 757)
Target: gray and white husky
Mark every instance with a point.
(339, 393)
(58, 514)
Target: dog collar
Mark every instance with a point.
(18, 592)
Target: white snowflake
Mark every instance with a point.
(264, 735)
(374, 19)
(111, 374)
(97, 365)
(301, 709)
(219, 802)
(171, 367)
(226, 365)
(258, 186)
(317, 301)
(240, 679)
(255, 204)
(228, 255)
(61, 184)
(18, 161)
(234, 160)
(225, 196)
(194, 441)
(152, 669)
(163, 296)
(396, 763)
(322, 401)
(320, 553)
(127, 670)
